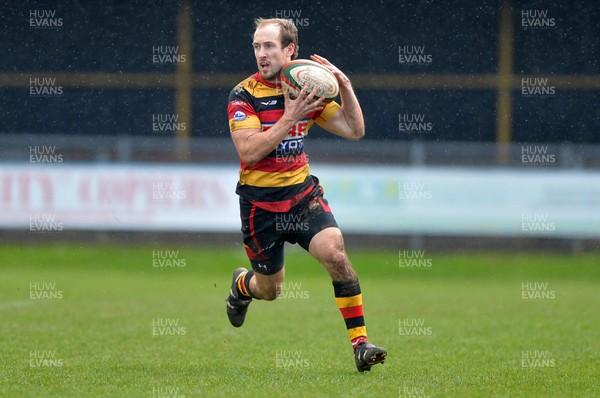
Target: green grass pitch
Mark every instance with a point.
(103, 321)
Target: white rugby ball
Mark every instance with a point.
(303, 72)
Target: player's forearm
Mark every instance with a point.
(257, 146)
(351, 110)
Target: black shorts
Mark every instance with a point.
(264, 232)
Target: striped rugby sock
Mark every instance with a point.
(349, 300)
(243, 284)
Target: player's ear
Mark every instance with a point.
(291, 50)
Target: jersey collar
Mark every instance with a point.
(259, 78)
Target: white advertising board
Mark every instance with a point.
(364, 199)
(121, 197)
(461, 201)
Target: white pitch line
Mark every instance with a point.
(16, 303)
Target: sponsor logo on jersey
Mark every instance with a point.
(239, 116)
(238, 89)
(238, 103)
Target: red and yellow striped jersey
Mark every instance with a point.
(282, 178)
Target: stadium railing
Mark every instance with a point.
(125, 148)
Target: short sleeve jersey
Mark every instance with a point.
(281, 179)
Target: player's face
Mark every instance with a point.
(270, 57)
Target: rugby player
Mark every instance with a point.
(275, 184)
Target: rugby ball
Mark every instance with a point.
(301, 72)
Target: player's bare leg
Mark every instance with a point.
(246, 285)
(267, 287)
(327, 246)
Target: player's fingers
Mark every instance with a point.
(323, 61)
(316, 109)
(286, 94)
(316, 105)
(315, 100)
(312, 94)
(303, 93)
(318, 58)
(319, 103)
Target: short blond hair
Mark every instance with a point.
(287, 30)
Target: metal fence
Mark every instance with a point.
(125, 148)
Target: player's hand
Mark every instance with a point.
(306, 103)
(341, 77)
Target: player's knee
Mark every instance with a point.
(335, 256)
(339, 266)
(338, 258)
(335, 251)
